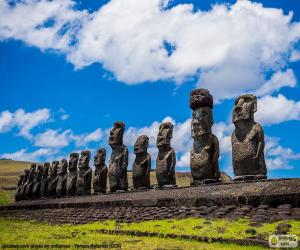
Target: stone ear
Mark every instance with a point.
(254, 104)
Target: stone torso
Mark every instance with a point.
(165, 167)
(141, 172)
(71, 182)
(61, 184)
(84, 181)
(202, 163)
(100, 179)
(117, 170)
(245, 143)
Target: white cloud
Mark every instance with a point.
(6, 121)
(59, 139)
(278, 80)
(277, 156)
(24, 121)
(44, 24)
(27, 121)
(52, 138)
(64, 117)
(274, 110)
(233, 47)
(38, 155)
(85, 139)
(295, 56)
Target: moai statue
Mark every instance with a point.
(19, 186)
(84, 178)
(205, 151)
(247, 141)
(52, 179)
(44, 180)
(166, 158)
(118, 163)
(142, 163)
(30, 182)
(62, 178)
(72, 174)
(100, 174)
(37, 182)
(22, 191)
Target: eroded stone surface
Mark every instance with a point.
(61, 186)
(205, 152)
(84, 177)
(118, 163)
(166, 158)
(72, 174)
(142, 163)
(52, 179)
(247, 141)
(100, 173)
(44, 179)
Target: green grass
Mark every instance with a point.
(6, 197)
(201, 227)
(29, 233)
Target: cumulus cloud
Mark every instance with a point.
(6, 121)
(52, 138)
(24, 121)
(41, 154)
(58, 139)
(44, 24)
(231, 48)
(277, 156)
(278, 80)
(277, 109)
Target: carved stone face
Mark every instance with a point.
(141, 144)
(165, 134)
(99, 158)
(116, 134)
(244, 108)
(202, 122)
(33, 168)
(84, 159)
(53, 168)
(63, 166)
(74, 157)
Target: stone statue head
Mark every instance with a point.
(53, 168)
(200, 98)
(244, 108)
(141, 144)
(26, 174)
(99, 158)
(84, 159)
(46, 169)
(116, 134)
(202, 122)
(73, 162)
(33, 168)
(165, 134)
(63, 166)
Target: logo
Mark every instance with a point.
(283, 241)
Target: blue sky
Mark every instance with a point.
(70, 69)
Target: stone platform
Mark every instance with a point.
(271, 192)
(267, 200)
